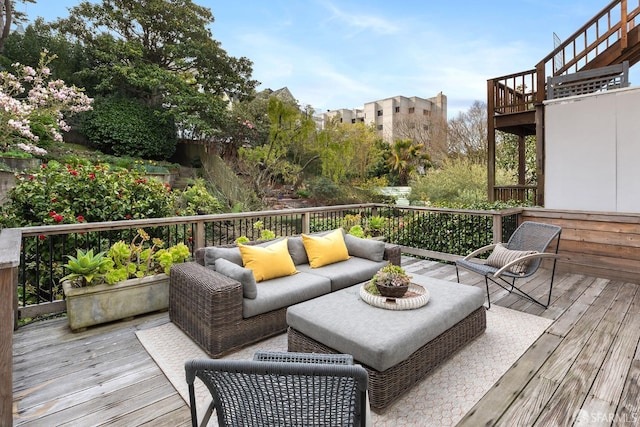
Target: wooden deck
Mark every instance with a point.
(584, 369)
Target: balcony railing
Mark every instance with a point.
(435, 233)
(521, 193)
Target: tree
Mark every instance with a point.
(468, 133)
(247, 124)
(27, 46)
(429, 131)
(161, 52)
(8, 15)
(288, 126)
(404, 157)
(347, 150)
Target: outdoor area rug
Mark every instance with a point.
(441, 399)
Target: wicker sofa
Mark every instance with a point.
(214, 310)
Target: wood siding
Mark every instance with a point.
(603, 245)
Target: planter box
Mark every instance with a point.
(94, 305)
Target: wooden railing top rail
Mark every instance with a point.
(141, 223)
(514, 75)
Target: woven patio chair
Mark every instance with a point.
(520, 257)
(282, 389)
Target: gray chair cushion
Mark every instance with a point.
(365, 248)
(212, 253)
(346, 273)
(285, 291)
(383, 338)
(241, 274)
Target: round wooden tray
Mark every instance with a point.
(416, 297)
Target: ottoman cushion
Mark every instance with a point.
(383, 338)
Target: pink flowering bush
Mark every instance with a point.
(29, 100)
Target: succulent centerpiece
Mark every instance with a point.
(390, 281)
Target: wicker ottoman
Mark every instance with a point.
(398, 348)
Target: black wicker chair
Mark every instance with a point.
(529, 236)
(283, 389)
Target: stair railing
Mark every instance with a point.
(610, 26)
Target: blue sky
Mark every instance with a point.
(340, 54)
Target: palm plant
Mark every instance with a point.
(404, 156)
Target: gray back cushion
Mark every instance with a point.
(297, 251)
(364, 248)
(241, 274)
(212, 253)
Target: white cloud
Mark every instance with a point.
(359, 22)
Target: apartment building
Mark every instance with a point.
(394, 118)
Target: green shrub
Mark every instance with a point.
(196, 200)
(456, 181)
(444, 232)
(17, 154)
(69, 193)
(127, 127)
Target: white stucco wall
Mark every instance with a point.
(593, 152)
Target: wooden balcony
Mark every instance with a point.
(586, 360)
(515, 101)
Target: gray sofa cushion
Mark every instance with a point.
(383, 338)
(346, 273)
(285, 291)
(241, 274)
(365, 248)
(297, 251)
(212, 253)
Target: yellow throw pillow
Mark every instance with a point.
(324, 250)
(268, 262)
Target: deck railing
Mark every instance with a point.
(441, 234)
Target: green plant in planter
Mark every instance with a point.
(138, 259)
(375, 225)
(357, 231)
(87, 266)
(125, 261)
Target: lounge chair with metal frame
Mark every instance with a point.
(282, 389)
(503, 268)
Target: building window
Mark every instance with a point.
(379, 112)
(353, 121)
(379, 127)
(397, 109)
(340, 119)
(412, 110)
(426, 112)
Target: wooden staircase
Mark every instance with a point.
(515, 102)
